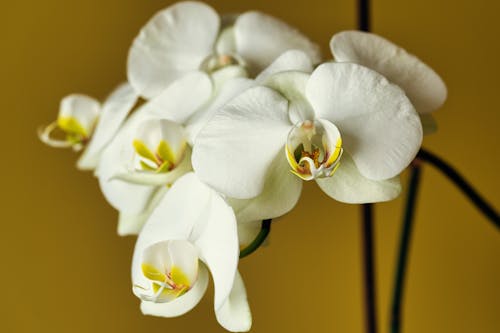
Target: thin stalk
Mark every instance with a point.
(364, 15)
(257, 242)
(404, 246)
(369, 269)
(462, 184)
(367, 209)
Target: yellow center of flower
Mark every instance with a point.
(312, 151)
(162, 160)
(168, 285)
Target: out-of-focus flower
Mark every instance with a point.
(423, 86)
(151, 151)
(191, 231)
(189, 36)
(344, 125)
(84, 123)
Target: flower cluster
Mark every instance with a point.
(220, 122)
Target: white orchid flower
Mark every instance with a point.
(135, 167)
(423, 86)
(191, 232)
(344, 125)
(188, 36)
(84, 123)
(151, 151)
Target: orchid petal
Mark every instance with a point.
(174, 42)
(131, 224)
(184, 259)
(226, 74)
(261, 38)
(217, 240)
(192, 211)
(78, 114)
(291, 60)
(129, 199)
(348, 185)
(237, 146)
(281, 193)
(226, 42)
(422, 84)
(247, 231)
(182, 98)
(235, 315)
(292, 85)
(114, 111)
(378, 124)
(227, 93)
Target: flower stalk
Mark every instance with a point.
(404, 245)
(259, 239)
(367, 210)
(462, 184)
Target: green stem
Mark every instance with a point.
(404, 246)
(462, 184)
(257, 242)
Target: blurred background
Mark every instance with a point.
(65, 269)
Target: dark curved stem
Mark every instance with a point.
(404, 246)
(257, 242)
(461, 183)
(368, 238)
(369, 269)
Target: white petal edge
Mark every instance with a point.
(281, 193)
(348, 185)
(233, 152)
(131, 224)
(378, 123)
(174, 42)
(228, 91)
(182, 98)
(292, 60)
(114, 111)
(422, 84)
(261, 38)
(235, 315)
(429, 123)
(226, 74)
(247, 231)
(217, 239)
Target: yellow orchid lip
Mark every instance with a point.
(312, 151)
(171, 270)
(166, 286)
(162, 160)
(74, 134)
(159, 145)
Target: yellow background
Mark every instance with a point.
(64, 269)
